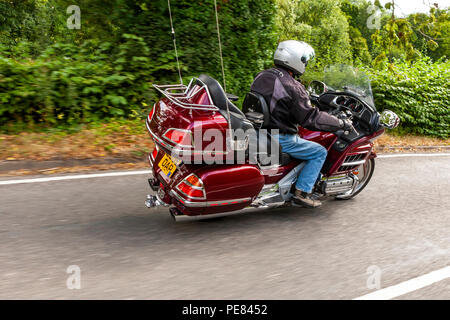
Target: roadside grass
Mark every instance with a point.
(129, 139)
(115, 138)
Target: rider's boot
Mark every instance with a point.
(304, 199)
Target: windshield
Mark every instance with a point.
(345, 78)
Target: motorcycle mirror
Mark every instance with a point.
(389, 119)
(316, 88)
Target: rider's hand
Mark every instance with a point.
(346, 125)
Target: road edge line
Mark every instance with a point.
(413, 155)
(131, 172)
(408, 286)
(75, 177)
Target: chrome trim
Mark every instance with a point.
(202, 204)
(153, 113)
(150, 160)
(179, 144)
(350, 192)
(194, 198)
(161, 201)
(368, 145)
(175, 97)
(355, 163)
(178, 151)
(155, 137)
(336, 186)
(196, 188)
(184, 218)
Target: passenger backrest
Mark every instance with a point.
(218, 95)
(254, 102)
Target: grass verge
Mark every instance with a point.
(129, 139)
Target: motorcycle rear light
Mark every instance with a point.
(194, 181)
(189, 191)
(192, 187)
(179, 137)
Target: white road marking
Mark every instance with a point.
(76, 177)
(413, 155)
(408, 286)
(129, 173)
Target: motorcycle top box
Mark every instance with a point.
(184, 119)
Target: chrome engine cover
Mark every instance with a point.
(338, 185)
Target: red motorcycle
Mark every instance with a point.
(249, 170)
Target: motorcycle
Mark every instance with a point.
(248, 170)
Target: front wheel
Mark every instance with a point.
(364, 175)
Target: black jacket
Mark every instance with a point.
(289, 103)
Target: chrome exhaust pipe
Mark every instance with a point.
(178, 216)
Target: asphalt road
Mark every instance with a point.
(400, 224)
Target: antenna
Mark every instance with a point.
(220, 46)
(223, 75)
(174, 42)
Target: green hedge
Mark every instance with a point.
(69, 84)
(419, 93)
(106, 69)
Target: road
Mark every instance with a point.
(399, 225)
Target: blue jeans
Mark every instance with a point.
(312, 152)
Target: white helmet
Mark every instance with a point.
(293, 55)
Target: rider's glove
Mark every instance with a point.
(346, 125)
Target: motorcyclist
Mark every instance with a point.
(290, 106)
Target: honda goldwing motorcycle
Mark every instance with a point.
(192, 186)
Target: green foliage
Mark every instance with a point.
(53, 76)
(35, 23)
(431, 32)
(70, 84)
(419, 93)
(106, 68)
(394, 40)
(320, 23)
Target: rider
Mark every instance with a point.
(290, 106)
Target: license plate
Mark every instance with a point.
(167, 165)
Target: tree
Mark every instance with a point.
(432, 32)
(357, 14)
(320, 23)
(394, 39)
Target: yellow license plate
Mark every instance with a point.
(167, 165)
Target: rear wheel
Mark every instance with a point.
(365, 172)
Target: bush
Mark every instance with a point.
(97, 73)
(70, 84)
(419, 93)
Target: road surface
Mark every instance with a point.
(398, 228)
